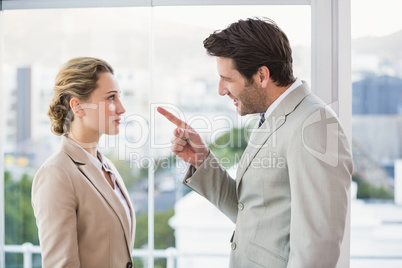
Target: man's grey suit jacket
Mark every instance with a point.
(290, 196)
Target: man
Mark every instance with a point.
(289, 200)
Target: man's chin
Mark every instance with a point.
(240, 111)
(242, 114)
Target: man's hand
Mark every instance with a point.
(186, 142)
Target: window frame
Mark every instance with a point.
(330, 50)
(2, 218)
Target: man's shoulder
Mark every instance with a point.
(312, 103)
(312, 111)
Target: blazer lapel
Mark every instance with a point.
(274, 121)
(129, 232)
(258, 140)
(95, 176)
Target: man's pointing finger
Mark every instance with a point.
(179, 123)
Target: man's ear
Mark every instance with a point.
(76, 107)
(263, 76)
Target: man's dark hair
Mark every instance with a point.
(253, 43)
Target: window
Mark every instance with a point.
(159, 60)
(376, 125)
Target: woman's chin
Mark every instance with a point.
(113, 132)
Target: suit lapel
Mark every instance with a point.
(258, 140)
(95, 176)
(129, 232)
(274, 121)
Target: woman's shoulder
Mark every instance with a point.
(56, 175)
(58, 161)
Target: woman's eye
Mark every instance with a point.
(111, 97)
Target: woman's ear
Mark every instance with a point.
(76, 107)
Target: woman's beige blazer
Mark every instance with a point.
(80, 219)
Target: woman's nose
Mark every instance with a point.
(120, 108)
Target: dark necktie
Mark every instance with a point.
(262, 119)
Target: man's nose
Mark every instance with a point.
(222, 88)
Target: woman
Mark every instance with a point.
(82, 208)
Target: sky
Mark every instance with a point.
(375, 17)
(219, 17)
(368, 17)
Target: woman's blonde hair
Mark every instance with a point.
(76, 78)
